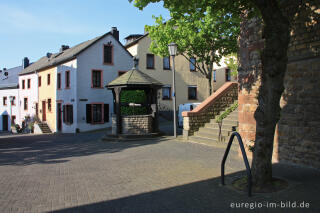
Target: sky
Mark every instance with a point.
(31, 28)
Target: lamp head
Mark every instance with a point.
(173, 47)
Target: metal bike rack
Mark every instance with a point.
(245, 159)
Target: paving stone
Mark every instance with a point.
(79, 173)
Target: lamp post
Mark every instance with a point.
(173, 52)
(11, 102)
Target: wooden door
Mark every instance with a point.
(44, 115)
(37, 109)
(5, 122)
(59, 117)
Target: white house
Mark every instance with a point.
(71, 93)
(9, 96)
(28, 94)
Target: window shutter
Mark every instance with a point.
(88, 113)
(106, 113)
(64, 113)
(71, 114)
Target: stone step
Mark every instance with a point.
(215, 125)
(228, 118)
(213, 130)
(232, 117)
(44, 128)
(226, 121)
(212, 142)
(213, 135)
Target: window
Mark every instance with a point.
(108, 54)
(150, 61)
(214, 75)
(97, 113)
(166, 63)
(25, 103)
(68, 114)
(48, 79)
(4, 101)
(13, 101)
(49, 104)
(39, 81)
(121, 73)
(192, 64)
(59, 81)
(23, 84)
(29, 83)
(192, 92)
(13, 120)
(228, 75)
(67, 79)
(166, 93)
(96, 79)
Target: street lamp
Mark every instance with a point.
(173, 52)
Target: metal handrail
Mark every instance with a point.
(245, 159)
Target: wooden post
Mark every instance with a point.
(117, 91)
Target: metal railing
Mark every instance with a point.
(245, 159)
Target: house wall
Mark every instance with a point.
(31, 94)
(184, 77)
(92, 58)
(45, 92)
(221, 74)
(8, 109)
(68, 96)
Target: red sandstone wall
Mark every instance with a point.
(297, 136)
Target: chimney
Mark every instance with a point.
(64, 47)
(25, 62)
(115, 33)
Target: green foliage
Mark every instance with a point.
(133, 96)
(231, 61)
(227, 112)
(206, 35)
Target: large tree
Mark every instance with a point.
(278, 20)
(205, 36)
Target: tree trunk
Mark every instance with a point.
(210, 85)
(274, 65)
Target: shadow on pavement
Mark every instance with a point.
(210, 196)
(26, 150)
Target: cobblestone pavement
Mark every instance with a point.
(79, 173)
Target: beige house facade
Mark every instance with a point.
(191, 86)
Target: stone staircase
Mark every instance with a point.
(209, 134)
(44, 128)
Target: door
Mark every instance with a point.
(44, 116)
(5, 122)
(37, 108)
(59, 117)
